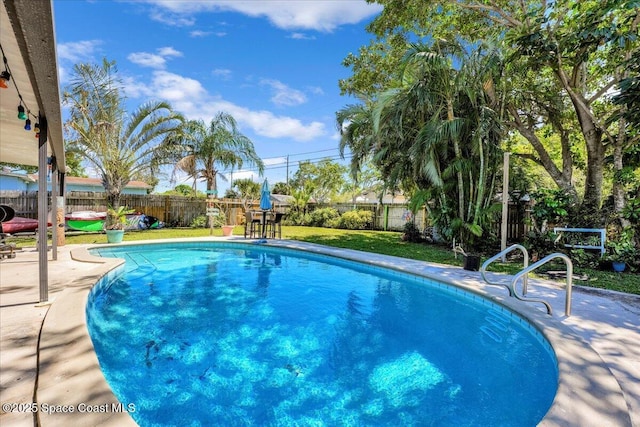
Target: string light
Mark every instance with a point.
(5, 76)
(23, 110)
(21, 114)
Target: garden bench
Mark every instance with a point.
(601, 231)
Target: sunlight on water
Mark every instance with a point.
(256, 336)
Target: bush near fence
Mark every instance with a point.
(181, 211)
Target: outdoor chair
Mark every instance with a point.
(252, 224)
(276, 225)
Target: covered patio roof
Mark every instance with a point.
(28, 43)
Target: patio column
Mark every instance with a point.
(505, 204)
(43, 211)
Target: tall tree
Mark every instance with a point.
(440, 131)
(202, 150)
(119, 146)
(320, 180)
(248, 190)
(572, 49)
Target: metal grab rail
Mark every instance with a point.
(511, 248)
(567, 303)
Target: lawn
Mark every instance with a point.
(382, 242)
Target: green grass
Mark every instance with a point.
(381, 242)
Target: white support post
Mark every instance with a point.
(505, 205)
(43, 239)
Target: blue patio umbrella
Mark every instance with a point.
(265, 205)
(265, 196)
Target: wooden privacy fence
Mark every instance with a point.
(395, 216)
(180, 211)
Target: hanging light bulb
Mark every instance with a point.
(27, 125)
(4, 78)
(21, 114)
(36, 127)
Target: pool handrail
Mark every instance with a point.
(511, 248)
(569, 283)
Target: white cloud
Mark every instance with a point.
(222, 73)
(168, 51)
(283, 95)
(264, 123)
(267, 124)
(176, 88)
(301, 36)
(316, 90)
(191, 98)
(323, 16)
(77, 51)
(199, 33)
(172, 19)
(135, 89)
(271, 161)
(243, 174)
(153, 60)
(146, 59)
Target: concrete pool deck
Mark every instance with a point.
(46, 353)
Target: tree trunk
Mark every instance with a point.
(561, 178)
(595, 158)
(619, 196)
(458, 154)
(575, 89)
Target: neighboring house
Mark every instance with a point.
(74, 183)
(14, 181)
(281, 199)
(374, 197)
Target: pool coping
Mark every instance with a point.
(588, 393)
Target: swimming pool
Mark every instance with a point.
(227, 334)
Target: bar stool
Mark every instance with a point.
(252, 224)
(276, 225)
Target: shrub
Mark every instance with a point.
(582, 258)
(541, 244)
(297, 218)
(324, 217)
(411, 233)
(551, 206)
(356, 220)
(199, 222)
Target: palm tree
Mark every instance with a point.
(202, 150)
(457, 144)
(120, 147)
(248, 191)
(435, 135)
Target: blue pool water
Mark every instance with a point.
(245, 335)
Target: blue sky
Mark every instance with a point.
(273, 65)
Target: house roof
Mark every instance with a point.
(97, 182)
(76, 180)
(22, 176)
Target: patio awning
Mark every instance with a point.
(28, 43)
